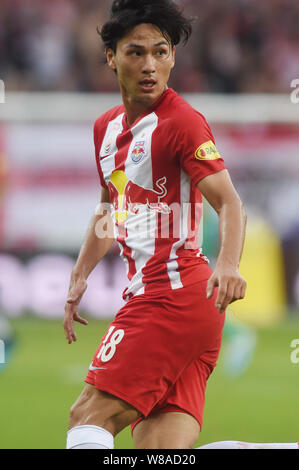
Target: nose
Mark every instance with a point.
(149, 64)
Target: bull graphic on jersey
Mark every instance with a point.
(130, 198)
(138, 152)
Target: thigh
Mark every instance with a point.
(187, 395)
(166, 431)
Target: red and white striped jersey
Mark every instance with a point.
(151, 170)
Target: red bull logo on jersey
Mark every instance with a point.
(138, 152)
(207, 151)
(130, 198)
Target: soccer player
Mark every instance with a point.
(156, 157)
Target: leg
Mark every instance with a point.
(249, 445)
(166, 431)
(175, 421)
(96, 418)
(151, 389)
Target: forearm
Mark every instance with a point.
(232, 228)
(221, 194)
(96, 244)
(98, 240)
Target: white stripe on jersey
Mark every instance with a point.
(142, 248)
(142, 132)
(173, 274)
(109, 148)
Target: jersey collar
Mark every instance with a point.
(157, 103)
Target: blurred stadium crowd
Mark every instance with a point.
(237, 46)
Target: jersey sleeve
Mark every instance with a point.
(96, 137)
(197, 152)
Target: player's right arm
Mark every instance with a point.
(96, 244)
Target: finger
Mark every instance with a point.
(233, 293)
(211, 284)
(79, 319)
(70, 309)
(71, 334)
(69, 329)
(73, 299)
(237, 293)
(68, 334)
(228, 297)
(243, 290)
(70, 313)
(222, 296)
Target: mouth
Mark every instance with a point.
(148, 84)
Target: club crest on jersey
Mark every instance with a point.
(108, 144)
(138, 152)
(207, 151)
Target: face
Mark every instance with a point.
(143, 62)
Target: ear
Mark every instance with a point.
(173, 56)
(110, 56)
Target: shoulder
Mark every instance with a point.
(186, 116)
(102, 121)
(181, 116)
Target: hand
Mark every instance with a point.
(76, 291)
(231, 287)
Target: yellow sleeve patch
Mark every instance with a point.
(207, 151)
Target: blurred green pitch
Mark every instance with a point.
(45, 375)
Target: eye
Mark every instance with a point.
(161, 52)
(135, 53)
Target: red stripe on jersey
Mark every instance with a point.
(123, 142)
(127, 252)
(155, 270)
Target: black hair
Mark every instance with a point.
(164, 14)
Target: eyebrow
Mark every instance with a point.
(162, 43)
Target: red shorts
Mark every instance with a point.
(160, 350)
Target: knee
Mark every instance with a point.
(80, 416)
(167, 431)
(81, 410)
(75, 417)
(97, 408)
(83, 415)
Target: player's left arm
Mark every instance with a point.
(221, 194)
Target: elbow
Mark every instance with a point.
(236, 205)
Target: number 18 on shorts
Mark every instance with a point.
(111, 340)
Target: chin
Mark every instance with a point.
(151, 96)
(147, 98)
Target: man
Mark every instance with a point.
(155, 157)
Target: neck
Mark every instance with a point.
(136, 108)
